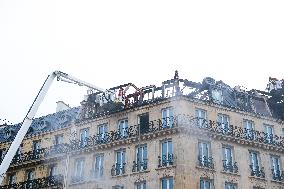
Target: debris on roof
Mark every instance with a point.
(266, 103)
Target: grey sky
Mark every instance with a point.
(114, 42)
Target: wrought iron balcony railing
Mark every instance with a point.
(28, 156)
(207, 162)
(56, 149)
(257, 171)
(230, 167)
(178, 121)
(45, 182)
(118, 169)
(277, 175)
(140, 165)
(166, 160)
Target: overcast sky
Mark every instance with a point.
(108, 43)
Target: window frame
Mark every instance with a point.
(100, 172)
(200, 119)
(168, 180)
(169, 115)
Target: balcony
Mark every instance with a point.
(256, 171)
(28, 156)
(56, 150)
(277, 175)
(205, 162)
(166, 160)
(230, 167)
(140, 165)
(45, 182)
(118, 169)
(269, 138)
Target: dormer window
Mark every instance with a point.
(217, 96)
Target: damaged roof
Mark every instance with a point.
(42, 124)
(266, 103)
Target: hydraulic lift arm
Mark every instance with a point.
(32, 111)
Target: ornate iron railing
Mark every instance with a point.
(140, 165)
(179, 121)
(257, 171)
(28, 156)
(45, 182)
(230, 166)
(118, 169)
(204, 161)
(166, 160)
(230, 130)
(277, 175)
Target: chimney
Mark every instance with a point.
(61, 106)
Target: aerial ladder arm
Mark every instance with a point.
(32, 111)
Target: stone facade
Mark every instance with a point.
(210, 137)
(184, 168)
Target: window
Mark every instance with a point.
(256, 170)
(167, 117)
(141, 158)
(99, 165)
(18, 153)
(201, 116)
(275, 165)
(36, 149)
(283, 132)
(79, 170)
(269, 133)
(166, 153)
(52, 170)
(204, 155)
(2, 154)
(167, 183)
(36, 145)
(12, 179)
(143, 121)
(217, 96)
(205, 184)
(140, 185)
(123, 128)
(249, 129)
(227, 154)
(29, 178)
(102, 132)
(229, 185)
(58, 139)
(228, 162)
(84, 134)
(223, 123)
(254, 160)
(120, 162)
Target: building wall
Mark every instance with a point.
(185, 171)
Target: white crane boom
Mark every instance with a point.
(31, 113)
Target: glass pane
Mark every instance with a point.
(164, 148)
(170, 147)
(171, 183)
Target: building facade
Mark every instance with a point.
(182, 135)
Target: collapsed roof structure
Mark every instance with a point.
(268, 103)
